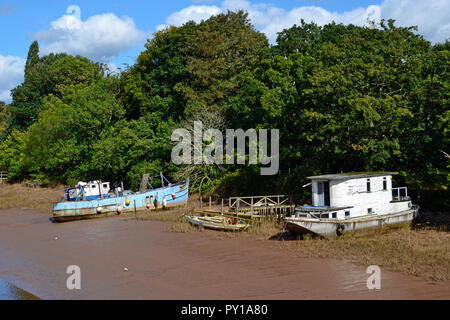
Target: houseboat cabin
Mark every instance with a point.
(343, 196)
(347, 196)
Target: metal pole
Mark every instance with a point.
(209, 202)
(201, 203)
(221, 209)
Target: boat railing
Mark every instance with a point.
(400, 193)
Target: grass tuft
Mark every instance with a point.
(24, 197)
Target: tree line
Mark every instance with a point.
(344, 97)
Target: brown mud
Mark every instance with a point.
(123, 258)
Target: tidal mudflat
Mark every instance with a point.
(126, 258)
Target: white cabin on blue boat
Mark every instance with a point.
(367, 198)
(89, 191)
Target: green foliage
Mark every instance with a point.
(52, 74)
(32, 60)
(12, 155)
(152, 85)
(220, 49)
(345, 98)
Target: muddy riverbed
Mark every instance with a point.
(122, 258)
(10, 292)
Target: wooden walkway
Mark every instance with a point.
(252, 208)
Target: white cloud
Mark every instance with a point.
(100, 37)
(194, 12)
(430, 16)
(11, 75)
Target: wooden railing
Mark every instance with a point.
(3, 176)
(256, 201)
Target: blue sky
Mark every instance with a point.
(115, 31)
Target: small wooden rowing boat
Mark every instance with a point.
(217, 223)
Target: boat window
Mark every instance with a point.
(325, 215)
(93, 186)
(334, 215)
(105, 186)
(384, 183)
(369, 210)
(347, 213)
(368, 185)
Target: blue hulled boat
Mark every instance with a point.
(95, 198)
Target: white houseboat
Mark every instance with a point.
(352, 201)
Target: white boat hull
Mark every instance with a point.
(334, 227)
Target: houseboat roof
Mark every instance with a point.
(351, 175)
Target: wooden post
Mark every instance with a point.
(100, 188)
(162, 179)
(252, 206)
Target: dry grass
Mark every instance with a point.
(182, 226)
(175, 217)
(164, 216)
(424, 253)
(21, 196)
(419, 252)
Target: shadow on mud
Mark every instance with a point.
(289, 236)
(427, 220)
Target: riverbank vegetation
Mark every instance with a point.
(344, 97)
(26, 196)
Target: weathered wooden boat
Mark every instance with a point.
(217, 223)
(353, 201)
(94, 199)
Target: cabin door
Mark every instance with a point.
(323, 193)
